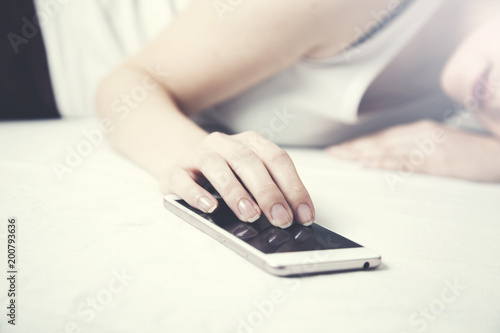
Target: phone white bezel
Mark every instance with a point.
(281, 264)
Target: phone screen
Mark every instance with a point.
(270, 239)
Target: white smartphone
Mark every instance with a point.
(297, 250)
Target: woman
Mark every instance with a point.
(210, 60)
(471, 77)
(293, 71)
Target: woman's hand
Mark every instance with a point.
(238, 167)
(471, 77)
(210, 54)
(427, 147)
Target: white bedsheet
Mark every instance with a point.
(439, 238)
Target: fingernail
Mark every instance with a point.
(304, 215)
(280, 216)
(248, 210)
(207, 205)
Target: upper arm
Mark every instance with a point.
(211, 55)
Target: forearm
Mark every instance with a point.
(148, 127)
(210, 60)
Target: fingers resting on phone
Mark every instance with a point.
(253, 176)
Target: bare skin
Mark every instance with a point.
(427, 147)
(200, 60)
(471, 77)
(208, 60)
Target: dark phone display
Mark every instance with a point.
(270, 239)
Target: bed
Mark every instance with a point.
(98, 252)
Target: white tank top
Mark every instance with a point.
(86, 39)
